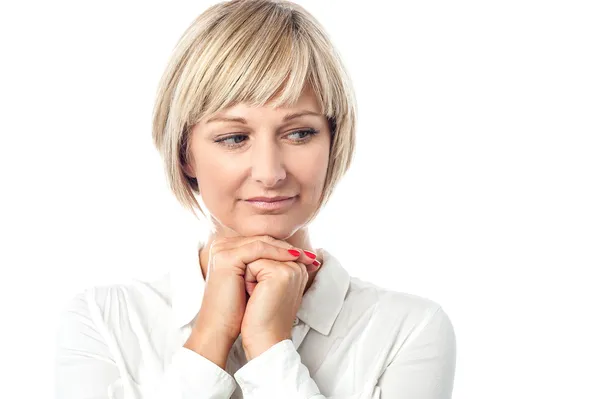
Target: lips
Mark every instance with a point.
(269, 199)
(271, 204)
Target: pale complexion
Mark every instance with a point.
(265, 155)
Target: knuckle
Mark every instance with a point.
(262, 263)
(217, 257)
(288, 272)
(215, 247)
(219, 241)
(305, 273)
(267, 238)
(259, 245)
(300, 271)
(223, 259)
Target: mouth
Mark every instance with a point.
(270, 204)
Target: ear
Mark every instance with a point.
(189, 171)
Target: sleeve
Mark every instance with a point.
(86, 368)
(423, 368)
(287, 376)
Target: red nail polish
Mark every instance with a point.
(294, 252)
(317, 263)
(311, 255)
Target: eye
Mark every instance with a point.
(306, 133)
(236, 140)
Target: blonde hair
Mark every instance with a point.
(250, 51)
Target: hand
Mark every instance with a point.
(274, 302)
(224, 301)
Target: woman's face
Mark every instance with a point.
(262, 154)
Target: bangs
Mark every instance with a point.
(263, 58)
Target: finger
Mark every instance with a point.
(250, 286)
(311, 268)
(304, 257)
(234, 242)
(302, 269)
(250, 252)
(257, 271)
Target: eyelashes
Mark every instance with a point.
(230, 141)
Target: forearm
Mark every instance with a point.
(211, 345)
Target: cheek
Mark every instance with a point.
(320, 162)
(216, 180)
(313, 170)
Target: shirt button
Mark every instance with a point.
(296, 321)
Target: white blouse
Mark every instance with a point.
(351, 339)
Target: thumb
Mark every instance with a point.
(250, 281)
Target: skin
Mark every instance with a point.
(266, 156)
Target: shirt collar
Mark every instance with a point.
(319, 308)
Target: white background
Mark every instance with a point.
(476, 181)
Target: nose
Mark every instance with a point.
(267, 163)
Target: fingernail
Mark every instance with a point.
(294, 252)
(317, 263)
(311, 255)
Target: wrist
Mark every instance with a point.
(256, 345)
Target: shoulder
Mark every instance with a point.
(396, 306)
(387, 322)
(115, 303)
(125, 324)
(398, 318)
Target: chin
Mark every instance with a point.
(279, 231)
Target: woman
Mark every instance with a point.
(255, 122)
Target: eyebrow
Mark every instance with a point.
(286, 118)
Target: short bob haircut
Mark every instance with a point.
(249, 51)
